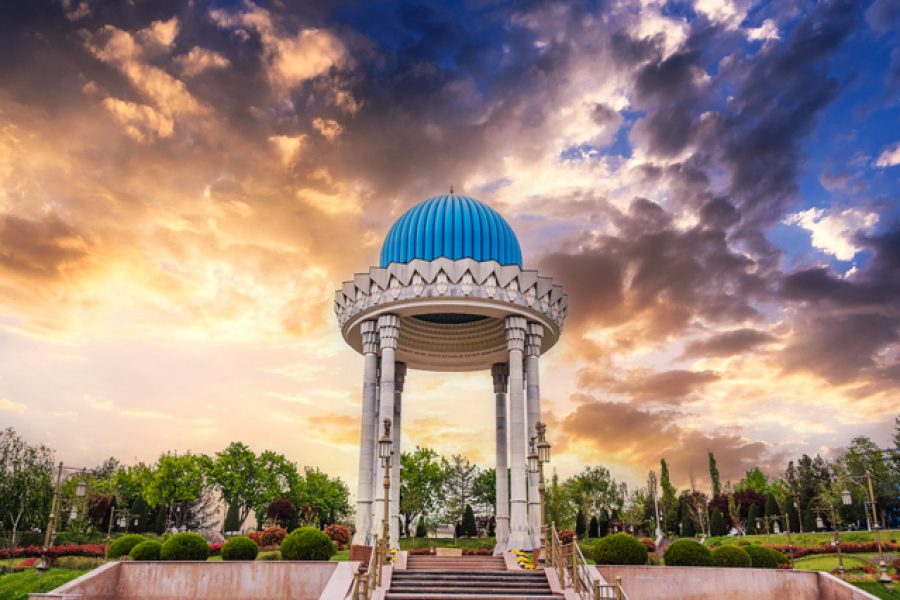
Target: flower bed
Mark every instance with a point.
(56, 551)
(847, 547)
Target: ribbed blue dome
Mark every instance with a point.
(454, 227)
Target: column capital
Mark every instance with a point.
(399, 376)
(515, 333)
(369, 330)
(388, 331)
(500, 373)
(533, 339)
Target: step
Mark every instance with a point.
(500, 576)
(479, 596)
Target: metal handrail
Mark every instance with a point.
(574, 573)
(367, 578)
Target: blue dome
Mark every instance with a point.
(452, 227)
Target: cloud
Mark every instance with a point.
(141, 122)
(889, 157)
(9, 405)
(42, 249)
(199, 60)
(834, 233)
(728, 343)
(768, 30)
(287, 146)
(667, 386)
(328, 128)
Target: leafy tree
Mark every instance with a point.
(594, 488)
(484, 490)
(459, 483)
(277, 477)
(282, 511)
(717, 525)
(328, 495)
(754, 480)
(25, 483)
(580, 524)
(421, 482)
(559, 504)
(177, 482)
(714, 475)
(236, 473)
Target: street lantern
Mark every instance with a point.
(534, 464)
(385, 443)
(820, 524)
(543, 446)
(81, 489)
(777, 527)
(73, 514)
(846, 498)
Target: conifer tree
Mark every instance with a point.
(714, 475)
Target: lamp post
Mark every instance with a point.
(847, 499)
(539, 455)
(80, 492)
(385, 450)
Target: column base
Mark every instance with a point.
(519, 540)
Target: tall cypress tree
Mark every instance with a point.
(580, 524)
(594, 528)
(717, 525)
(232, 518)
(603, 523)
(469, 528)
(752, 515)
(714, 475)
(668, 495)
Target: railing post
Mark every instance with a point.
(597, 590)
(618, 588)
(575, 580)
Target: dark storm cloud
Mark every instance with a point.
(667, 387)
(728, 343)
(608, 427)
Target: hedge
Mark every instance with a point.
(618, 549)
(762, 558)
(240, 548)
(123, 545)
(307, 543)
(146, 550)
(185, 546)
(687, 553)
(731, 556)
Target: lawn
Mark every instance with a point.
(805, 539)
(880, 590)
(828, 562)
(17, 586)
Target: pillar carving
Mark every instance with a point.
(533, 339)
(367, 441)
(500, 374)
(388, 333)
(519, 531)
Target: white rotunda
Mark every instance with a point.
(451, 294)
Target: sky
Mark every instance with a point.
(184, 185)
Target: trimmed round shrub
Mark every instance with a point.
(649, 544)
(240, 548)
(339, 534)
(762, 558)
(619, 549)
(123, 545)
(273, 555)
(307, 543)
(687, 553)
(148, 550)
(185, 546)
(731, 556)
(780, 557)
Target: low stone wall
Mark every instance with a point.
(713, 583)
(210, 580)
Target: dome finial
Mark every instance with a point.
(451, 189)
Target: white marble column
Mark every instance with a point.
(388, 332)
(500, 373)
(519, 533)
(399, 379)
(377, 469)
(533, 396)
(362, 536)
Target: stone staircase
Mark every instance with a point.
(466, 578)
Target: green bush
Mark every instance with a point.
(79, 563)
(780, 557)
(185, 546)
(421, 530)
(307, 543)
(274, 555)
(687, 553)
(240, 548)
(123, 545)
(731, 556)
(148, 550)
(762, 558)
(619, 549)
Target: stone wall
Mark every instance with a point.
(713, 583)
(211, 580)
